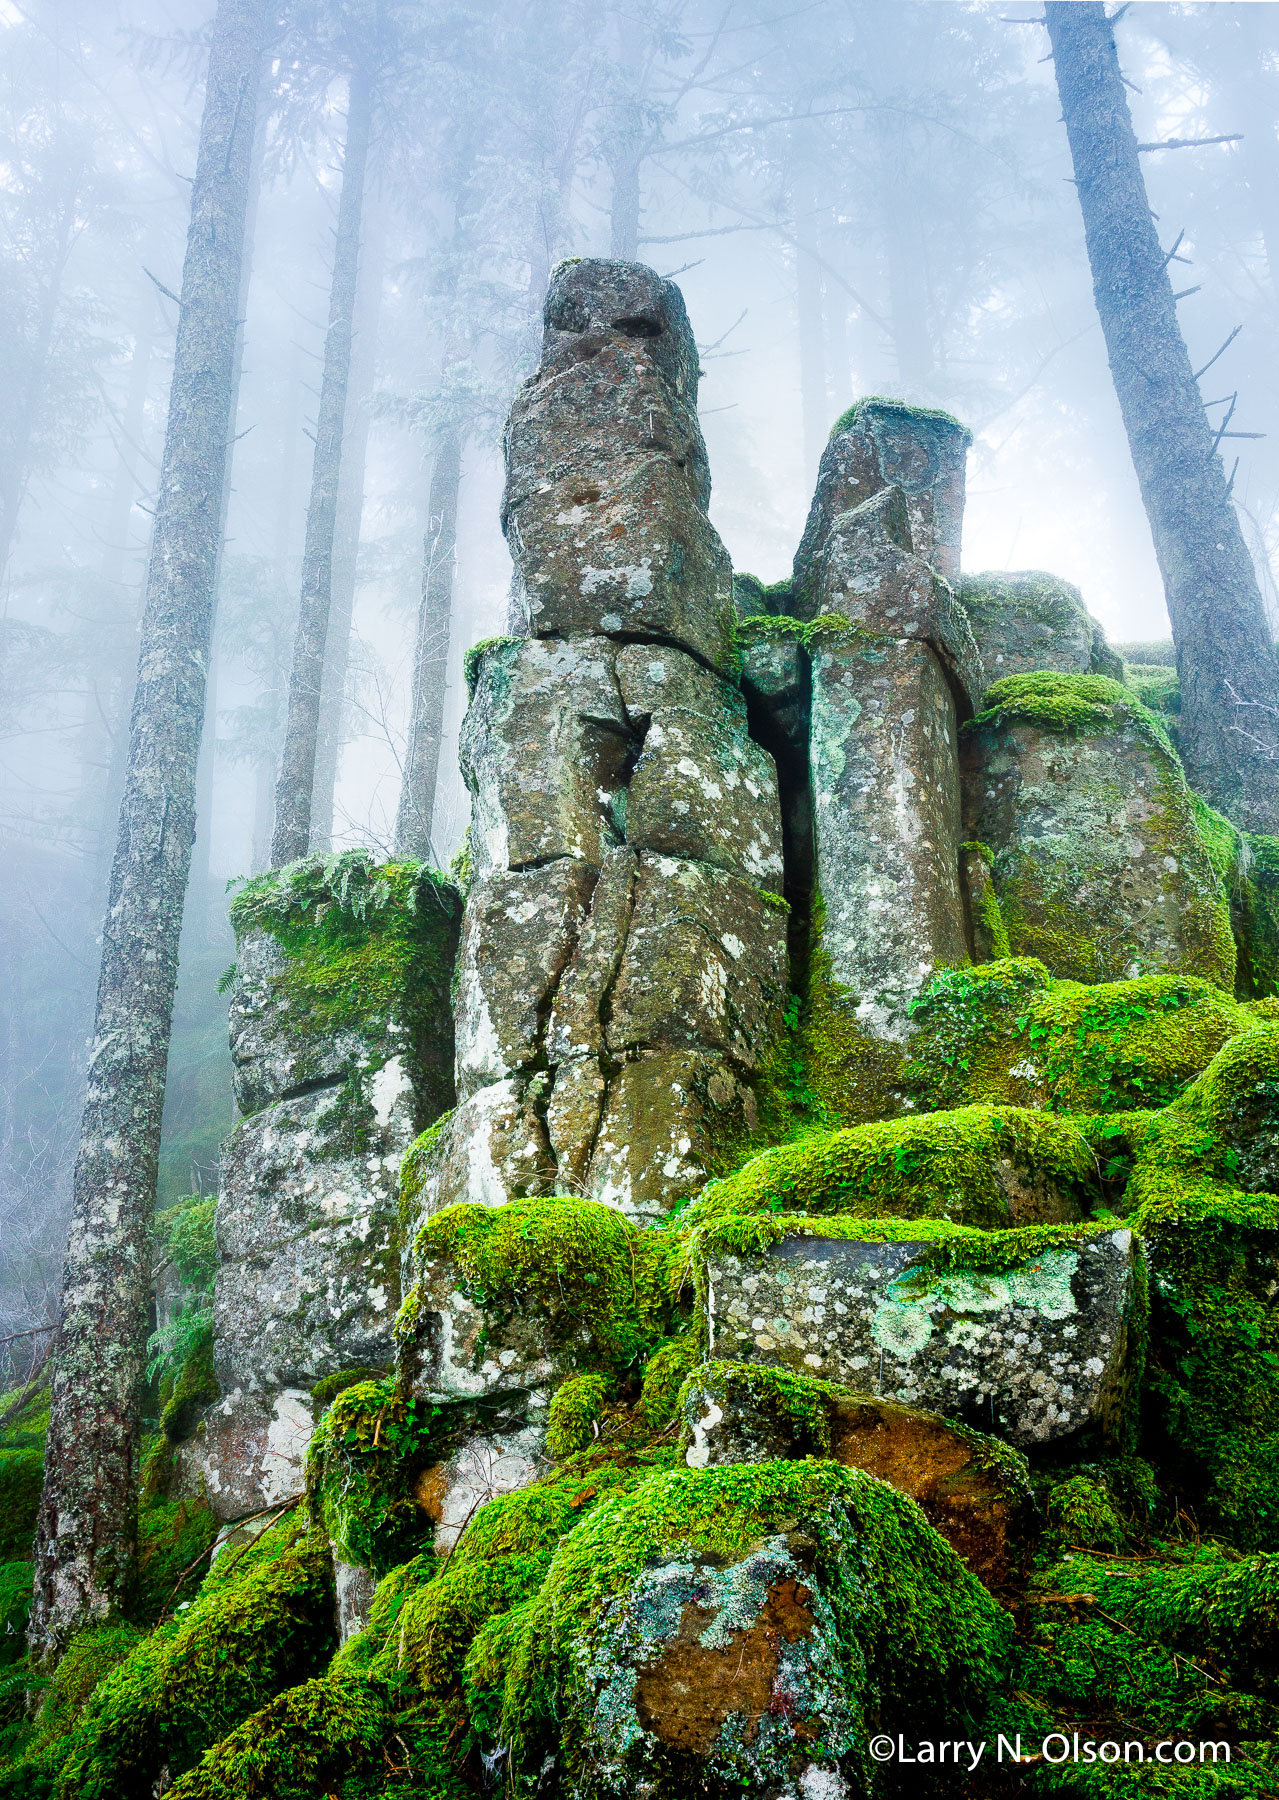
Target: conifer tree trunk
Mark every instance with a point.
(416, 815)
(87, 1528)
(346, 540)
(293, 791)
(1229, 673)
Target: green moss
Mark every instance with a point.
(1082, 705)
(185, 1232)
(1157, 687)
(87, 1660)
(475, 656)
(173, 1539)
(582, 1267)
(262, 1622)
(195, 1388)
(797, 1407)
(780, 628)
(316, 1739)
(364, 944)
(848, 1076)
(1080, 1509)
(21, 1481)
(664, 1375)
(1256, 913)
(849, 417)
(326, 1391)
(926, 1633)
(368, 1449)
(1006, 1031)
(939, 1166)
(576, 1409)
(15, 1599)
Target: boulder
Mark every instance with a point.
(970, 1487)
(1097, 861)
(1030, 621)
(251, 1451)
(1033, 1352)
(452, 1492)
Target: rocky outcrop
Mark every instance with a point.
(622, 968)
(1096, 857)
(894, 669)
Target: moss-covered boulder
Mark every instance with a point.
(1031, 621)
(743, 1628)
(342, 970)
(1099, 866)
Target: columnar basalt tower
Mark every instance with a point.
(622, 968)
(894, 669)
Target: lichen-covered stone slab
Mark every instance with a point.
(311, 1005)
(252, 1451)
(546, 747)
(887, 822)
(306, 1223)
(518, 934)
(1028, 621)
(704, 965)
(888, 444)
(1097, 862)
(605, 503)
(1033, 1353)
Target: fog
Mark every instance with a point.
(855, 196)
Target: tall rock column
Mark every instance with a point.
(622, 967)
(894, 668)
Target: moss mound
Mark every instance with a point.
(262, 1622)
(940, 1166)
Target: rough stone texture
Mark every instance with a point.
(607, 482)
(701, 788)
(1031, 621)
(545, 751)
(306, 1229)
(253, 1450)
(775, 684)
(518, 934)
(622, 964)
(1099, 868)
(887, 823)
(452, 1492)
(1033, 1354)
(969, 1487)
(889, 444)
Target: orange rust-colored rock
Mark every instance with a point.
(686, 1695)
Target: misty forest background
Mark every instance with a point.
(856, 196)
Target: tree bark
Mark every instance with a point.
(293, 791)
(416, 815)
(1229, 674)
(346, 541)
(87, 1528)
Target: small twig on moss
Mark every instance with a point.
(229, 1526)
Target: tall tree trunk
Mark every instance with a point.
(814, 402)
(1229, 674)
(346, 539)
(416, 815)
(293, 790)
(87, 1529)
